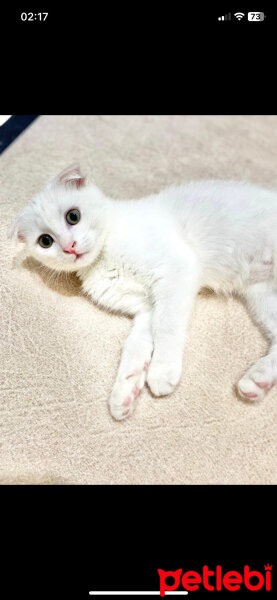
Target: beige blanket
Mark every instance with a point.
(60, 353)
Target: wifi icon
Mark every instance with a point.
(239, 15)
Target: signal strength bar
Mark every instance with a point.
(225, 17)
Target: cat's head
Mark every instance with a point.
(64, 225)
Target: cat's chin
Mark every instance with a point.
(81, 261)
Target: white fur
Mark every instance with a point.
(149, 258)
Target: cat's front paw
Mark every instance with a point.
(126, 389)
(163, 377)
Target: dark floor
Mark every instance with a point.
(13, 127)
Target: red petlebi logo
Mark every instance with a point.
(216, 580)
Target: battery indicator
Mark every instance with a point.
(255, 16)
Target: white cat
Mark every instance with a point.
(149, 258)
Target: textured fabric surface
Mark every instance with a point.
(60, 353)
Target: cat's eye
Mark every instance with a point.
(73, 216)
(45, 240)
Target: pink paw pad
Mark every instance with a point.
(127, 401)
(262, 384)
(125, 412)
(132, 374)
(250, 395)
(136, 391)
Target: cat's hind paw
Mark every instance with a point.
(254, 386)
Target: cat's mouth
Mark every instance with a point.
(79, 255)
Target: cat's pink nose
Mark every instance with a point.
(70, 248)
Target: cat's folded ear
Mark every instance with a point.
(15, 231)
(20, 227)
(71, 177)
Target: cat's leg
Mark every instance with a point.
(174, 297)
(262, 302)
(135, 359)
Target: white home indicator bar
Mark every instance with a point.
(136, 593)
